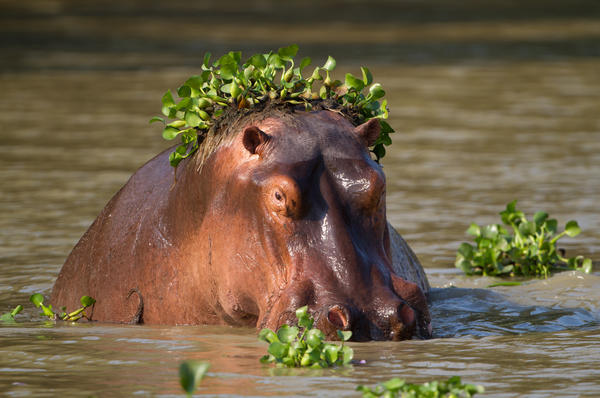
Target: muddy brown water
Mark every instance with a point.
(490, 104)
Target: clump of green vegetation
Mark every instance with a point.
(530, 250)
(191, 374)
(304, 346)
(452, 388)
(228, 82)
(86, 301)
(9, 317)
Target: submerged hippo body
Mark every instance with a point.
(287, 210)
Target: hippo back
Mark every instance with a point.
(405, 262)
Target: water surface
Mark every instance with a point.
(490, 104)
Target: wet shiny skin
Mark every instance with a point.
(307, 234)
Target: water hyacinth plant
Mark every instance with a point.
(9, 317)
(86, 301)
(451, 388)
(304, 346)
(530, 250)
(274, 76)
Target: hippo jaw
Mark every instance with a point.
(386, 316)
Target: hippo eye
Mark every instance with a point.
(278, 196)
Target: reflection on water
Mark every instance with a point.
(490, 103)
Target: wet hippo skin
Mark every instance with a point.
(287, 210)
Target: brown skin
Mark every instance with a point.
(285, 215)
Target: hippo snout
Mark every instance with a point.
(393, 323)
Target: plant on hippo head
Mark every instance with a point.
(228, 82)
(530, 251)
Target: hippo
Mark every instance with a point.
(279, 208)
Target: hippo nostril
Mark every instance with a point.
(338, 316)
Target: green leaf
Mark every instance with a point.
(490, 231)
(170, 133)
(167, 99)
(540, 217)
(379, 151)
(347, 354)
(175, 158)
(192, 119)
(275, 61)
(331, 353)
(228, 67)
(288, 53)
(474, 230)
(587, 266)
(156, 119)
(206, 61)
(393, 384)
(287, 334)
(268, 335)
(466, 250)
(552, 226)
(354, 82)
(87, 301)
(572, 228)
(37, 299)
(258, 61)
(302, 312)
(385, 127)
(191, 373)
(330, 64)
(7, 317)
(344, 335)
(184, 91)
(278, 350)
(309, 358)
(314, 338)
(267, 359)
(376, 91)
(304, 63)
(367, 76)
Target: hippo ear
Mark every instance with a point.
(368, 131)
(253, 137)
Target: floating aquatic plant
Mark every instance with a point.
(274, 76)
(191, 374)
(396, 387)
(304, 346)
(9, 317)
(529, 250)
(86, 301)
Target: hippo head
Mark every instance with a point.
(314, 202)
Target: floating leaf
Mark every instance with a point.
(190, 375)
(287, 334)
(37, 299)
(572, 228)
(87, 301)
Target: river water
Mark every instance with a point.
(490, 104)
